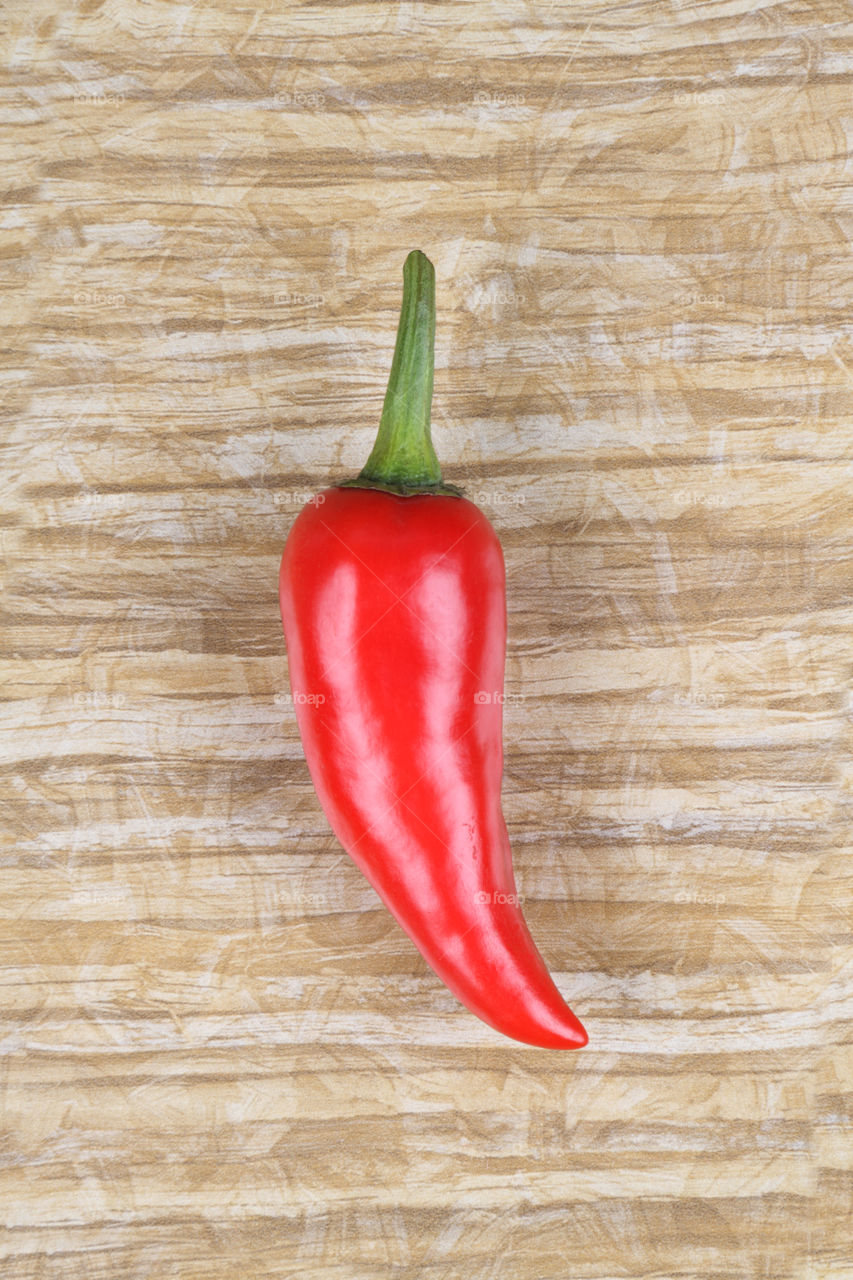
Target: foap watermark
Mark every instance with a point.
(490, 295)
(299, 699)
(698, 498)
(700, 97)
(483, 697)
(293, 298)
(498, 498)
(496, 98)
(100, 99)
(100, 501)
(697, 898)
(298, 498)
(484, 898)
(694, 699)
(695, 298)
(99, 698)
(98, 298)
(312, 99)
(305, 901)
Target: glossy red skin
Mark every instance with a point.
(394, 612)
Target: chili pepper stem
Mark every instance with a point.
(403, 459)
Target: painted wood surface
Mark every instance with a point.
(221, 1058)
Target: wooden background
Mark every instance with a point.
(222, 1060)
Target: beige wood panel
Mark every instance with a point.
(221, 1058)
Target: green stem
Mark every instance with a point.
(403, 460)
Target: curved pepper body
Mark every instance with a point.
(394, 616)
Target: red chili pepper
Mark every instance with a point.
(392, 593)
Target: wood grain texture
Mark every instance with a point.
(221, 1058)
